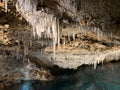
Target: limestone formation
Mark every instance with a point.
(66, 33)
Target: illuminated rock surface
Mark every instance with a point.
(105, 77)
(66, 33)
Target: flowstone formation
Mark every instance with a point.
(67, 33)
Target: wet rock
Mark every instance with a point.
(85, 33)
(13, 71)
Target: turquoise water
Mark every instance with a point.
(105, 77)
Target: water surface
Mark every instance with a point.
(105, 77)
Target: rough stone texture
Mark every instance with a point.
(13, 71)
(90, 14)
(87, 28)
(104, 14)
(97, 20)
(78, 52)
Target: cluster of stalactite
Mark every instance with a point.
(43, 23)
(99, 16)
(87, 15)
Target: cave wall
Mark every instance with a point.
(75, 20)
(100, 14)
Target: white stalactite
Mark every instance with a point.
(41, 21)
(58, 28)
(5, 5)
(54, 30)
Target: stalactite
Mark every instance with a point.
(41, 21)
(4, 4)
(18, 48)
(68, 36)
(106, 56)
(25, 47)
(54, 30)
(58, 28)
(73, 36)
(31, 42)
(64, 42)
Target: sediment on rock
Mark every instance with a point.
(76, 31)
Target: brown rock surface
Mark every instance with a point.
(89, 34)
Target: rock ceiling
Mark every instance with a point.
(74, 25)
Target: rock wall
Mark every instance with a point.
(49, 29)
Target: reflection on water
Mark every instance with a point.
(105, 77)
(27, 86)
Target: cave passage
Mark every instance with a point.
(59, 44)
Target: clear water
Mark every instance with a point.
(105, 77)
